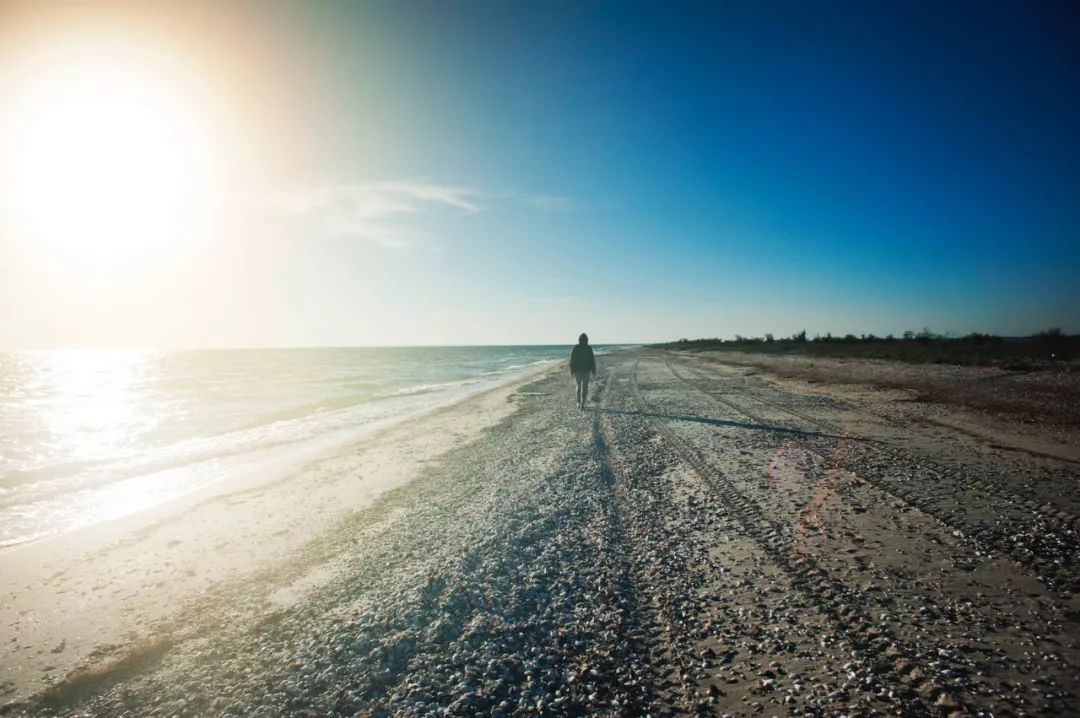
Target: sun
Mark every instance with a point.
(108, 158)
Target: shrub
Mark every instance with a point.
(1049, 336)
(926, 336)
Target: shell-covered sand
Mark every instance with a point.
(706, 538)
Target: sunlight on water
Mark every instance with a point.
(92, 435)
(94, 405)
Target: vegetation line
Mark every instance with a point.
(1042, 350)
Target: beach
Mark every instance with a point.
(709, 536)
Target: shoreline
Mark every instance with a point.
(251, 466)
(148, 564)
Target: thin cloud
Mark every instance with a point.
(455, 196)
(379, 212)
(373, 211)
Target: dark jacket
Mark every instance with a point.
(582, 360)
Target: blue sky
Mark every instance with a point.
(493, 172)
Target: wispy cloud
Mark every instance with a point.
(387, 212)
(374, 211)
(455, 196)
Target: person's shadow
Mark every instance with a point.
(726, 422)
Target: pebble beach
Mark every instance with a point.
(703, 539)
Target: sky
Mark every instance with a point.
(395, 173)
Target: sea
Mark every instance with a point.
(88, 436)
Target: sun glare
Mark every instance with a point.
(110, 158)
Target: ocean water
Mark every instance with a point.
(88, 435)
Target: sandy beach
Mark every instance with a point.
(86, 597)
(711, 536)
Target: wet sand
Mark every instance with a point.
(707, 538)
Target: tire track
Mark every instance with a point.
(1052, 536)
(665, 648)
(629, 661)
(993, 488)
(877, 644)
(826, 425)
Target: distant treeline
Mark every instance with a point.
(1039, 349)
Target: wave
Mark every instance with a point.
(428, 388)
(109, 489)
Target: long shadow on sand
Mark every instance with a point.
(725, 422)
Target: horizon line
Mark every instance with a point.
(312, 346)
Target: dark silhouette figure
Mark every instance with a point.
(582, 364)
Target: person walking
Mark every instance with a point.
(582, 364)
